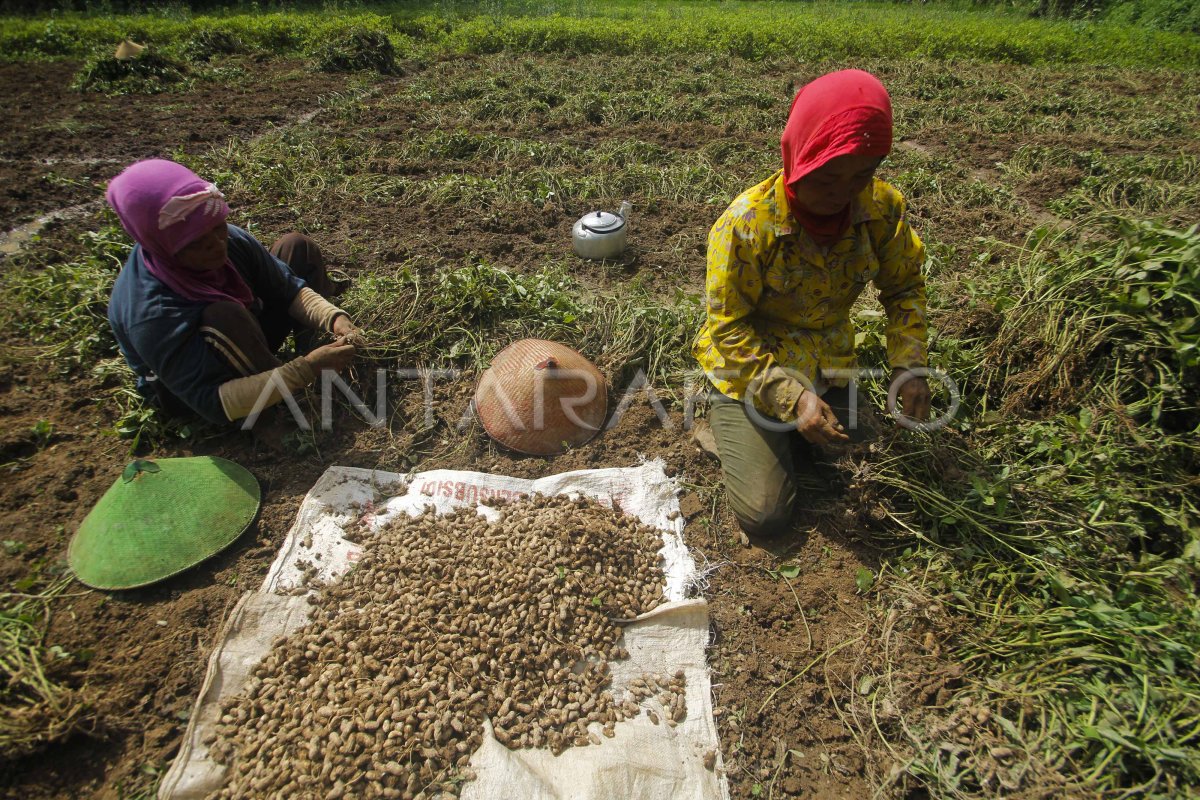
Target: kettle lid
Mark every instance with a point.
(603, 222)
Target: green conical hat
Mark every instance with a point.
(161, 517)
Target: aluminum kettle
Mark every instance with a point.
(600, 234)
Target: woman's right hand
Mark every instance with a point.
(336, 356)
(816, 421)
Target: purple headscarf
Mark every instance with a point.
(165, 207)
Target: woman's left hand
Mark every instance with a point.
(342, 326)
(913, 395)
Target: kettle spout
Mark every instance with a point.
(623, 212)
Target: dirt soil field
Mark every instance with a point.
(785, 651)
(59, 147)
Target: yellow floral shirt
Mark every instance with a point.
(779, 304)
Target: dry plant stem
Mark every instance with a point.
(803, 671)
(37, 708)
(446, 622)
(800, 608)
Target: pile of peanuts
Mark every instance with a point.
(446, 621)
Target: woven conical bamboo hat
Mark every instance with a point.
(127, 50)
(541, 398)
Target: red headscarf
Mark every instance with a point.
(165, 207)
(842, 113)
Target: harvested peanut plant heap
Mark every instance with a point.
(447, 620)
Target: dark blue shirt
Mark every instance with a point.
(158, 330)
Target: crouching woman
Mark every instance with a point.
(201, 307)
(786, 261)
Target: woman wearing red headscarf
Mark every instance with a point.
(786, 261)
(200, 307)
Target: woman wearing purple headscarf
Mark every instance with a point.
(201, 307)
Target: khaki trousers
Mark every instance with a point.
(760, 456)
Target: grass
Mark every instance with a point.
(1055, 524)
(761, 30)
(461, 316)
(1145, 185)
(78, 35)
(822, 31)
(355, 49)
(147, 73)
(653, 90)
(375, 173)
(1114, 324)
(1062, 530)
(60, 306)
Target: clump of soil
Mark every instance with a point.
(446, 621)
